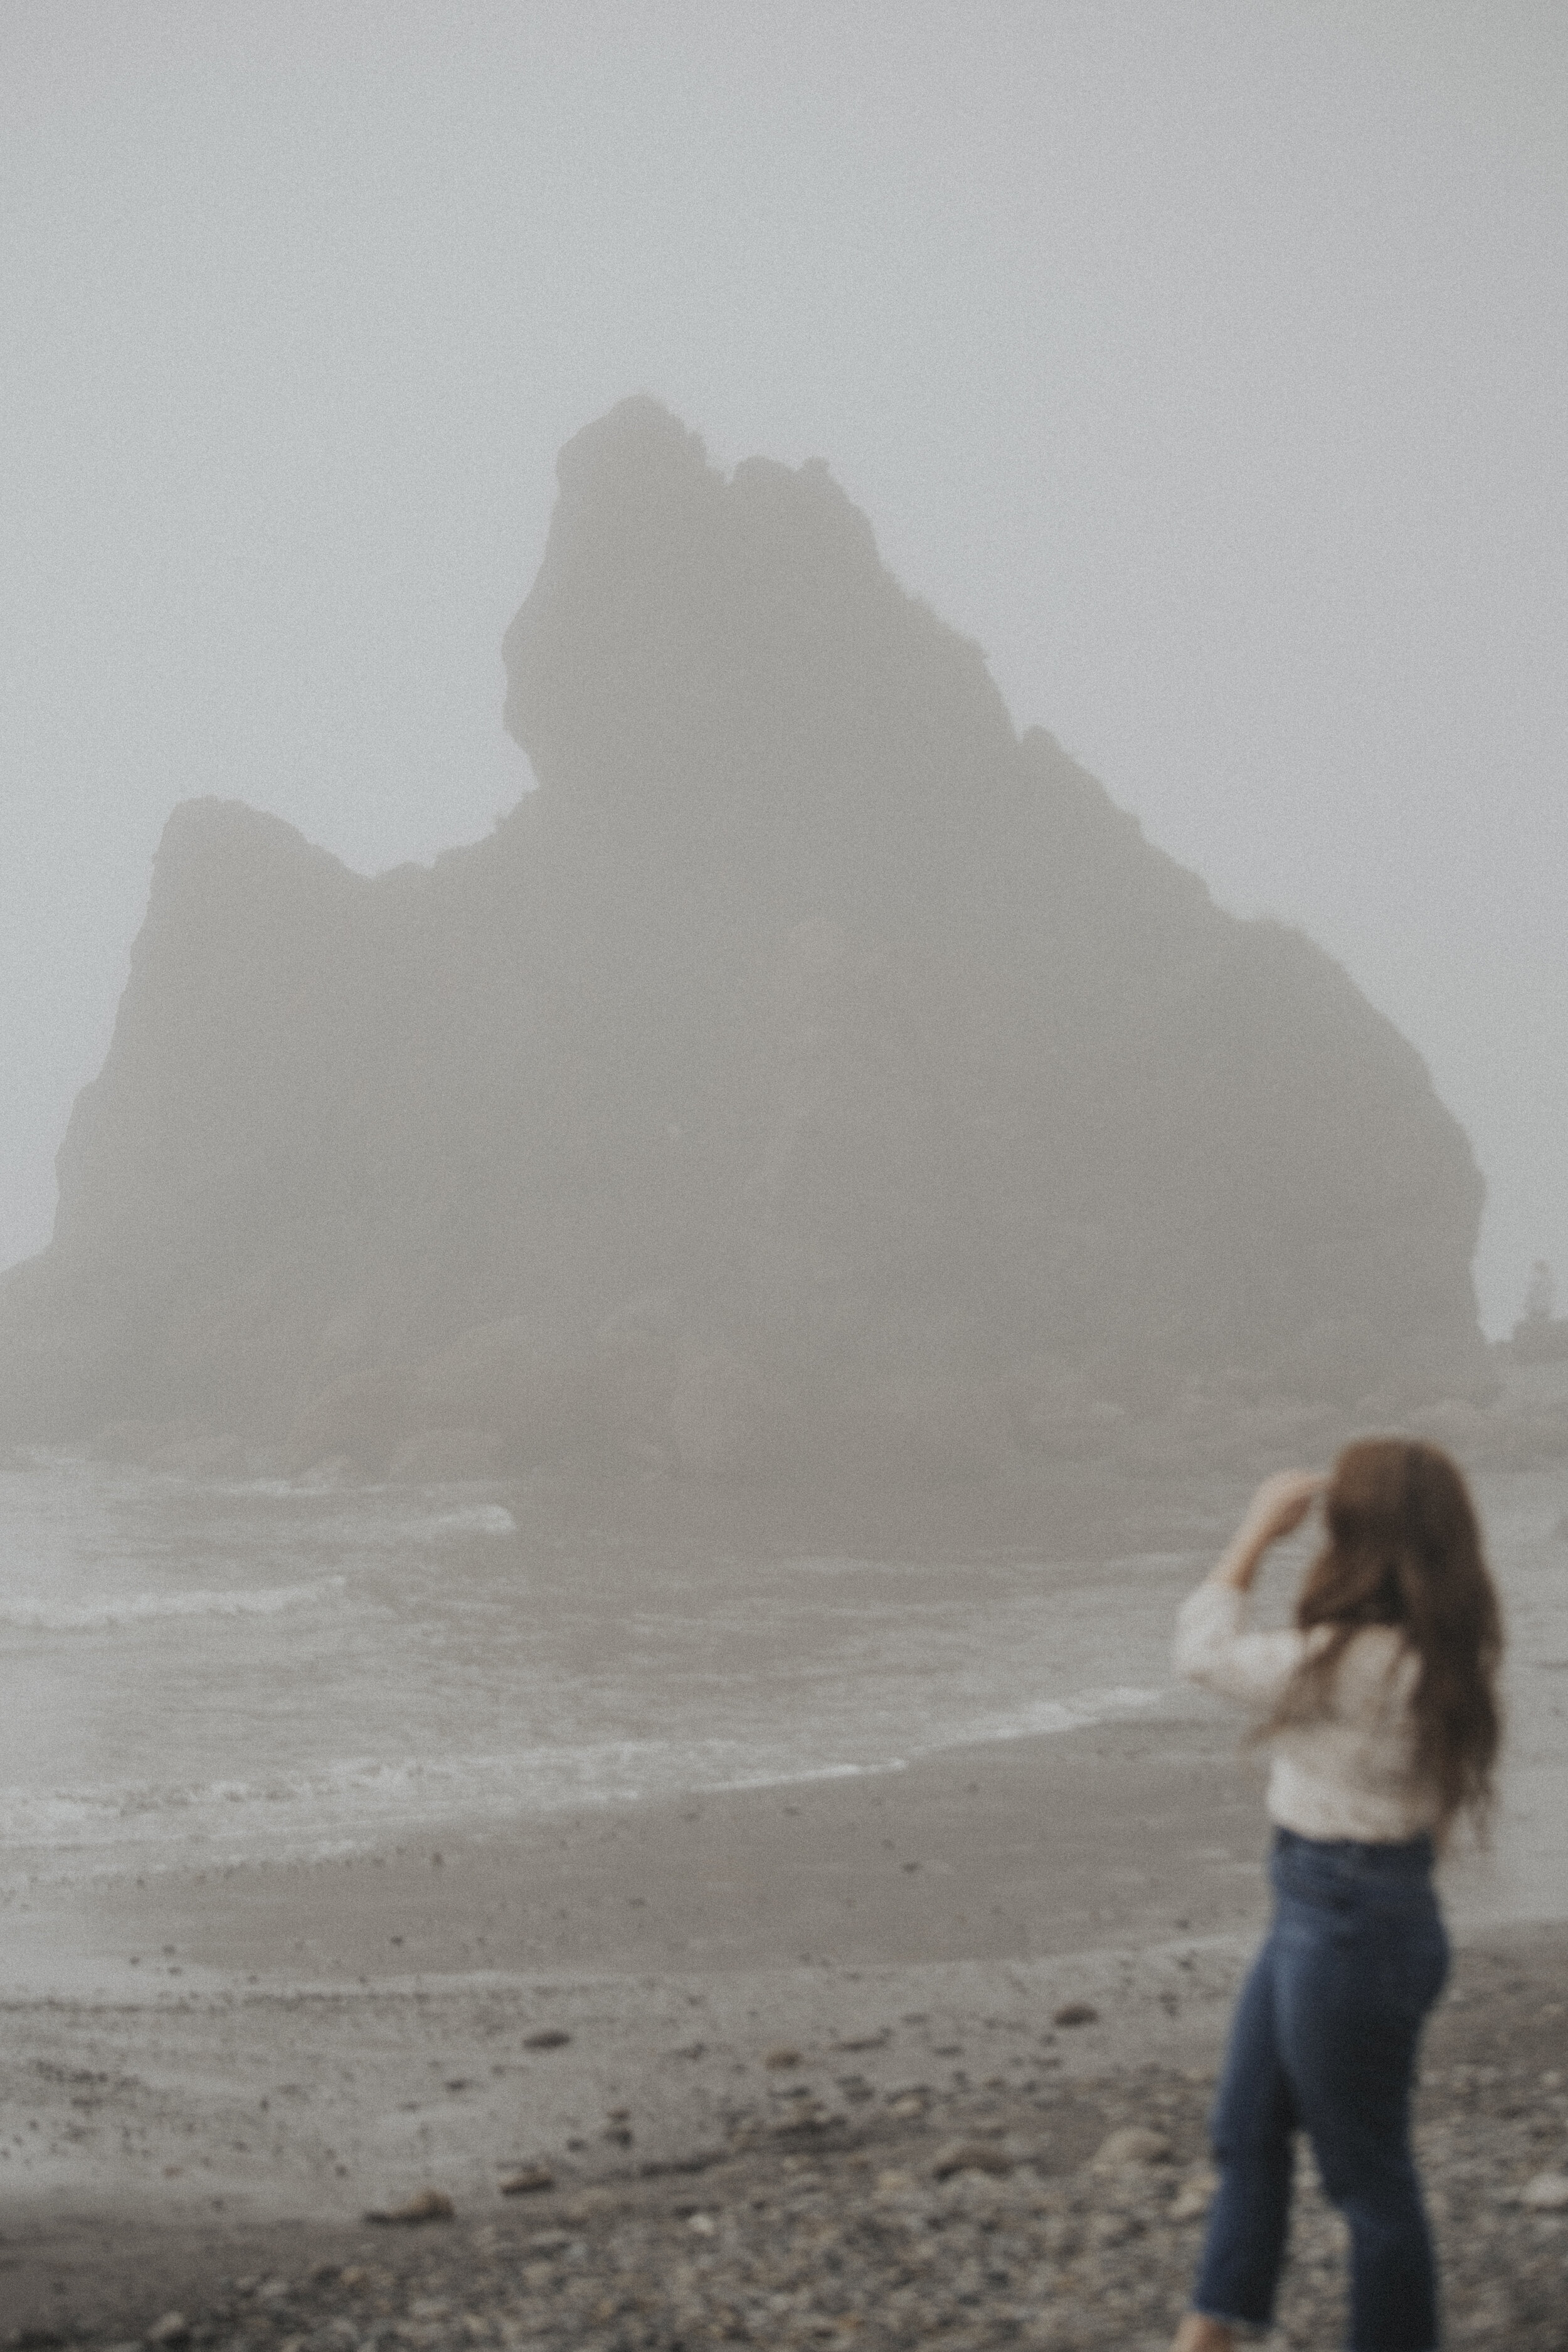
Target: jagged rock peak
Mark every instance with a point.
(638, 456)
(691, 633)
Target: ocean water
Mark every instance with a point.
(275, 1669)
(216, 1671)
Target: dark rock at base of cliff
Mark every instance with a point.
(1540, 1339)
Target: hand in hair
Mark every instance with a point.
(1278, 1508)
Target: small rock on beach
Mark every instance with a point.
(1132, 2145)
(425, 2205)
(1076, 2012)
(528, 2180)
(972, 2156)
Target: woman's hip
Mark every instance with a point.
(1343, 1873)
(1359, 1927)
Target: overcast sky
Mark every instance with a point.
(1207, 363)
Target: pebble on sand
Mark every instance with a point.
(972, 2156)
(549, 2037)
(1076, 2012)
(528, 2180)
(1134, 2144)
(1193, 2198)
(425, 2205)
(1546, 2193)
(779, 2059)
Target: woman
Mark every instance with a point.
(1380, 1711)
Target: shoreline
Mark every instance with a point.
(1134, 1827)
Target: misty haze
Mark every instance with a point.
(601, 1442)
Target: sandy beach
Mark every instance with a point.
(239, 2065)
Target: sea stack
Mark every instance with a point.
(809, 1070)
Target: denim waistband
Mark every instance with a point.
(1411, 1858)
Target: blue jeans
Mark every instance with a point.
(1323, 2040)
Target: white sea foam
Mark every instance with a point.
(364, 1528)
(364, 1800)
(1077, 1712)
(109, 1616)
(474, 1520)
(358, 1802)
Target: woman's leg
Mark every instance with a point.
(1254, 2118)
(1353, 1994)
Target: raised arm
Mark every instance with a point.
(1277, 1509)
(1213, 1646)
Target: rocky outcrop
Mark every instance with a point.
(809, 1071)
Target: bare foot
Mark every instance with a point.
(1198, 2334)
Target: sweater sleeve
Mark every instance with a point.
(1214, 1647)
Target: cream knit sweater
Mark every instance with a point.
(1346, 1775)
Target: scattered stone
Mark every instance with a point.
(588, 2205)
(528, 2180)
(805, 2114)
(1088, 2252)
(425, 2205)
(1132, 2145)
(972, 2156)
(1075, 2012)
(1193, 2198)
(779, 2059)
(173, 2328)
(549, 2037)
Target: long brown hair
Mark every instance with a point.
(1405, 1550)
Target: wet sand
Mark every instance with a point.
(1135, 1829)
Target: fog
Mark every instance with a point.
(1205, 366)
